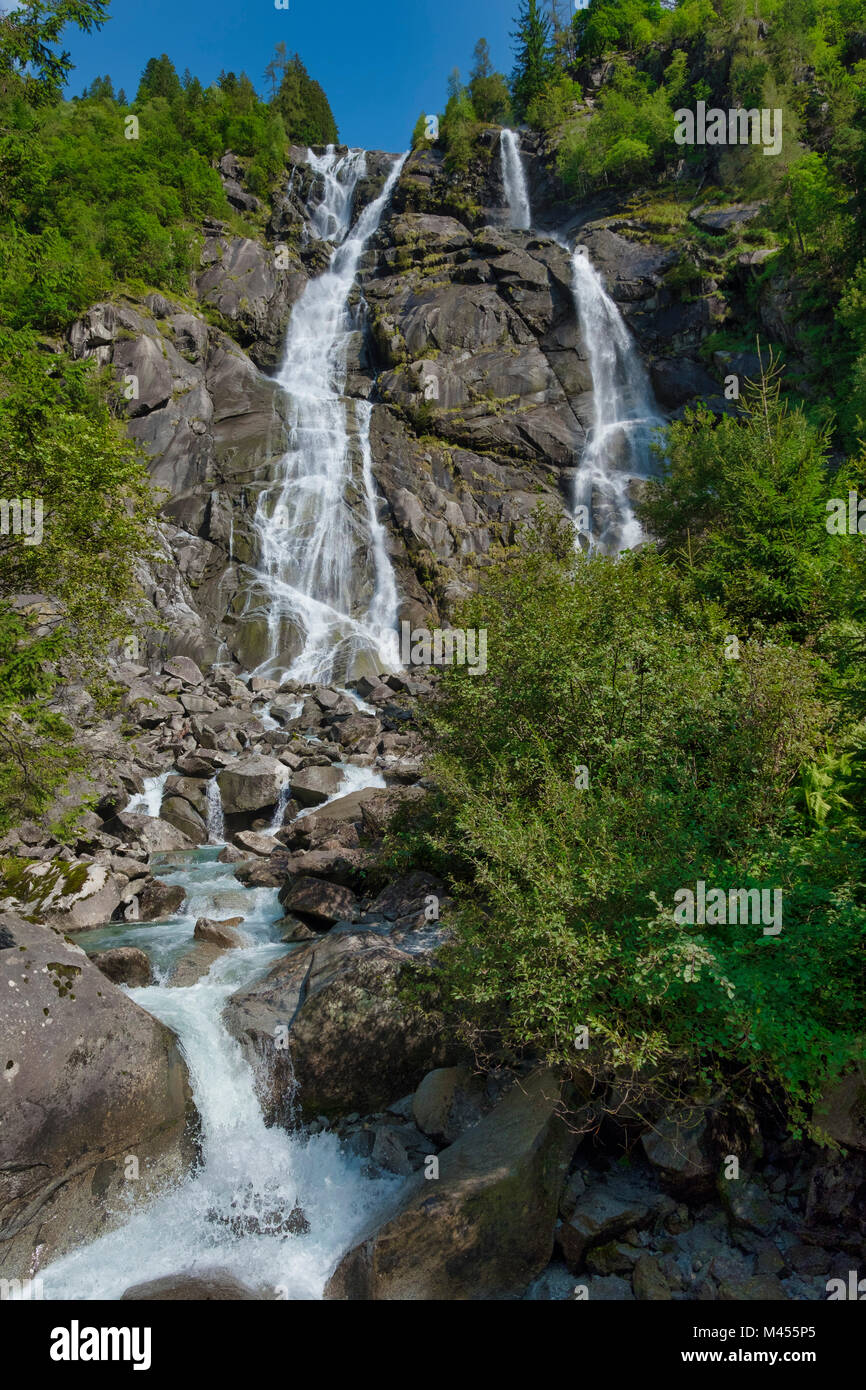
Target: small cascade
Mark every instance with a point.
(215, 821)
(514, 179)
(149, 801)
(275, 1209)
(280, 809)
(618, 449)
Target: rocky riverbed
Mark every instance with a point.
(235, 843)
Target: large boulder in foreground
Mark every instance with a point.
(326, 1020)
(484, 1228)
(88, 1080)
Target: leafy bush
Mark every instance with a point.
(565, 893)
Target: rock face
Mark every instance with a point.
(351, 1045)
(89, 1079)
(484, 1227)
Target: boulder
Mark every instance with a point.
(841, 1113)
(256, 842)
(184, 817)
(89, 1079)
(352, 1043)
(721, 219)
(184, 669)
(205, 1286)
(250, 784)
(313, 785)
(677, 1147)
(77, 906)
(124, 965)
(154, 835)
(448, 1101)
(158, 901)
(484, 1228)
(320, 903)
(222, 934)
(601, 1215)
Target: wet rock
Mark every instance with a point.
(484, 1227)
(222, 934)
(206, 1286)
(158, 900)
(88, 1078)
(124, 965)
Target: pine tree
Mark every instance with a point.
(533, 64)
(488, 89)
(159, 79)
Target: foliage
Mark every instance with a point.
(742, 506)
(533, 64)
(565, 893)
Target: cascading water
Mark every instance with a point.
(216, 826)
(240, 1211)
(618, 448)
(514, 179)
(330, 599)
(149, 801)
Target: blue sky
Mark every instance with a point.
(380, 63)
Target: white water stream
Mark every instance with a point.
(514, 179)
(330, 597)
(618, 449)
(232, 1213)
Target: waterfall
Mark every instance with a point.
(149, 801)
(216, 825)
(514, 179)
(384, 605)
(618, 448)
(329, 594)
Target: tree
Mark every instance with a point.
(533, 64)
(305, 109)
(276, 68)
(488, 89)
(28, 61)
(740, 506)
(159, 79)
